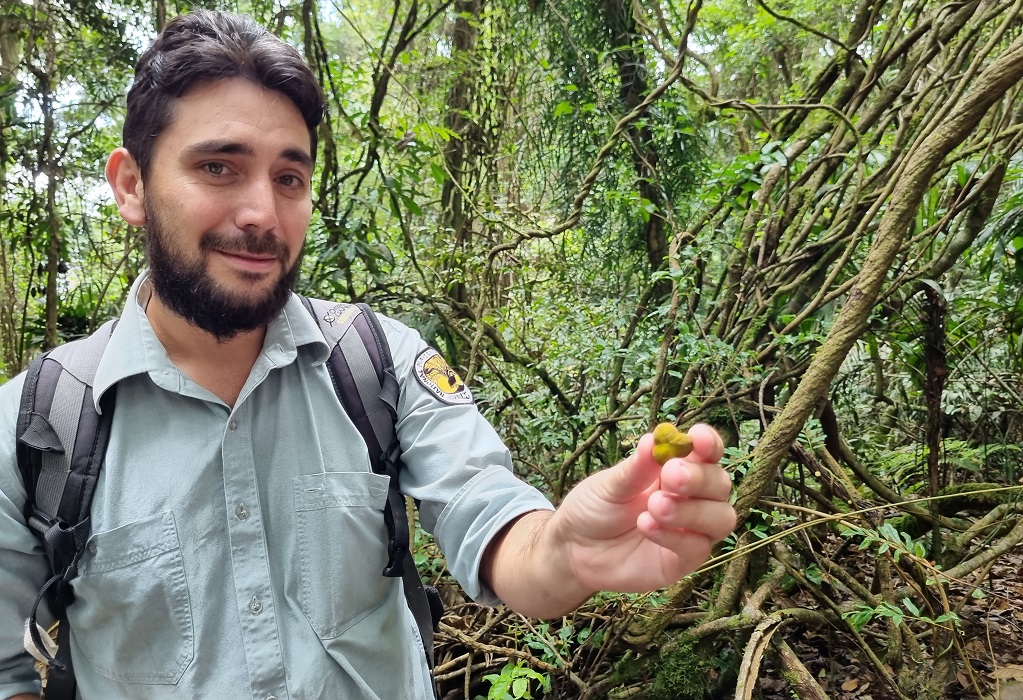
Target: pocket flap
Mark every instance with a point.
(131, 543)
(340, 489)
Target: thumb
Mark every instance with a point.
(707, 444)
(634, 474)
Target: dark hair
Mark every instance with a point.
(204, 46)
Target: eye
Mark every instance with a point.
(214, 168)
(292, 181)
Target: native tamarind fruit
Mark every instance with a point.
(670, 442)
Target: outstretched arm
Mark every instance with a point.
(632, 528)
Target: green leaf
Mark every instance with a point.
(564, 107)
(411, 204)
(860, 617)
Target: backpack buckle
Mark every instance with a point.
(64, 545)
(395, 560)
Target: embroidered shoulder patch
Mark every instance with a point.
(340, 314)
(437, 377)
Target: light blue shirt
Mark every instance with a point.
(237, 552)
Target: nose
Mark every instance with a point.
(257, 206)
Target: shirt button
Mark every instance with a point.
(233, 425)
(241, 512)
(255, 607)
(91, 548)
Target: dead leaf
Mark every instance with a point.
(1008, 672)
(850, 685)
(976, 647)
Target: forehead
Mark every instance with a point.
(235, 110)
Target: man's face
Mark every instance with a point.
(227, 203)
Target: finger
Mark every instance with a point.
(714, 519)
(691, 548)
(708, 446)
(633, 475)
(685, 477)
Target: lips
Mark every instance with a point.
(248, 261)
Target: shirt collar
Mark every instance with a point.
(134, 348)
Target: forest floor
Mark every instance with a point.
(993, 624)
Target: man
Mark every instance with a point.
(237, 538)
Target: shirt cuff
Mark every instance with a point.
(478, 512)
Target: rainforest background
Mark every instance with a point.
(799, 222)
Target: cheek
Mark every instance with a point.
(190, 215)
(295, 224)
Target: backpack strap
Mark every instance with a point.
(362, 371)
(61, 442)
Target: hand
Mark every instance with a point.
(637, 526)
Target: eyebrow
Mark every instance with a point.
(221, 147)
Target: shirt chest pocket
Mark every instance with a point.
(342, 543)
(131, 617)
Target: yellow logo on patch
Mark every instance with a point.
(439, 379)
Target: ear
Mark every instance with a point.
(126, 181)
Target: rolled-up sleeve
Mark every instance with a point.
(490, 500)
(456, 466)
(23, 567)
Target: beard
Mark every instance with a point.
(188, 289)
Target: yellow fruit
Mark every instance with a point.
(670, 442)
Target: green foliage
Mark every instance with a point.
(906, 466)
(430, 561)
(515, 682)
(887, 539)
(761, 524)
(552, 649)
(909, 612)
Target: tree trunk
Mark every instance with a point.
(10, 58)
(51, 168)
(924, 160)
(629, 57)
(160, 14)
(456, 220)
